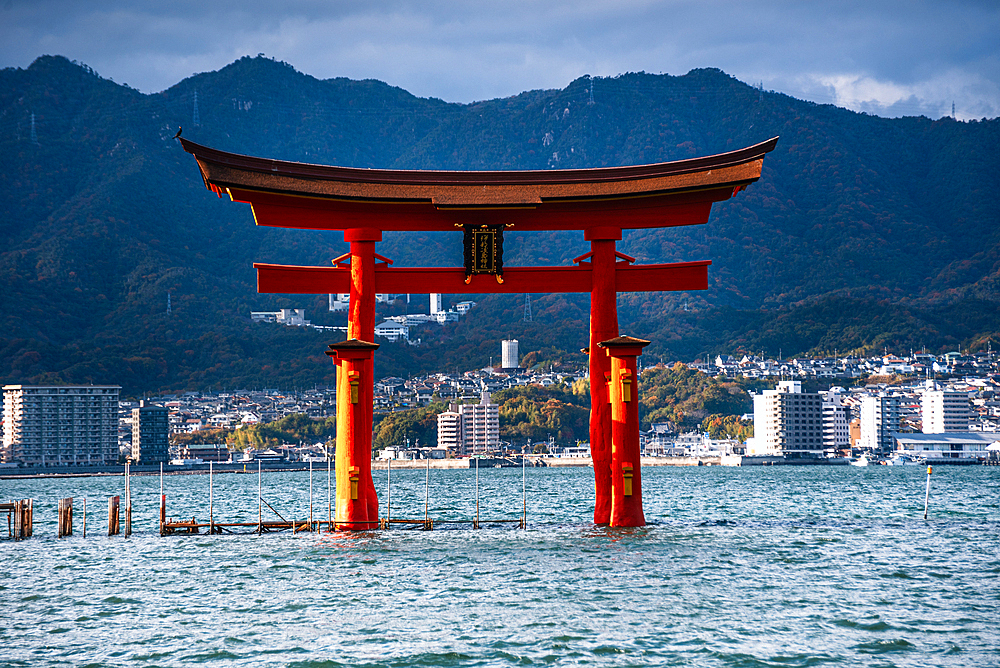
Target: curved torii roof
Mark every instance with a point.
(306, 196)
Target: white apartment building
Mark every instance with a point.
(293, 317)
(450, 430)
(471, 429)
(836, 433)
(943, 411)
(879, 419)
(393, 330)
(788, 422)
(340, 301)
(70, 425)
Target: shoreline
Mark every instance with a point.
(534, 461)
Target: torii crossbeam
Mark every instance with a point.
(364, 203)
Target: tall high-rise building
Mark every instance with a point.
(879, 418)
(788, 421)
(450, 430)
(509, 354)
(69, 425)
(436, 303)
(150, 434)
(836, 433)
(944, 411)
(471, 429)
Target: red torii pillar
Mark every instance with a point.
(603, 326)
(356, 503)
(623, 397)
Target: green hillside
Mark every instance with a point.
(863, 232)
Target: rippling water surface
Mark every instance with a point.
(776, 566)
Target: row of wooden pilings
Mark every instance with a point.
(169, 527)
(21, 513)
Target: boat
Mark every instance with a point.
(860, 461)
(904, 459)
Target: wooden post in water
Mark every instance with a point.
(260, 516)
(23, 518)
(18, 519)
(84, 517)
(65, 517)
(388, 492)
(427, 493)
(311, 526)
(329, 495)
(476, 523)
(113, 504)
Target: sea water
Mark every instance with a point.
(767, 566)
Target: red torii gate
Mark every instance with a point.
(364, 203)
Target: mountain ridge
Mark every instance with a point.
(102, 215)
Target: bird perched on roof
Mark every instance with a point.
(179, 128)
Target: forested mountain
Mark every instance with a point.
(863, 232)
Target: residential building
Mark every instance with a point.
(70, 425)
(944, 411)
(788, 422)
(393, 330)
(836, 434)
(150, 430)
(340, 302)
(471, 429)
(879, 419)
(293, 317)
(449, 430)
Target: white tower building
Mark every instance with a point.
(944, 411)
(509, 354)
(879, 418)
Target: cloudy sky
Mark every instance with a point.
(891, 58)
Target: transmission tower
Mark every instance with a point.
(196, 120)
(34, 135)
(527, 308)
(591, 91)
(168, 303)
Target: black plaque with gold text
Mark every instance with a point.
(484, 251)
